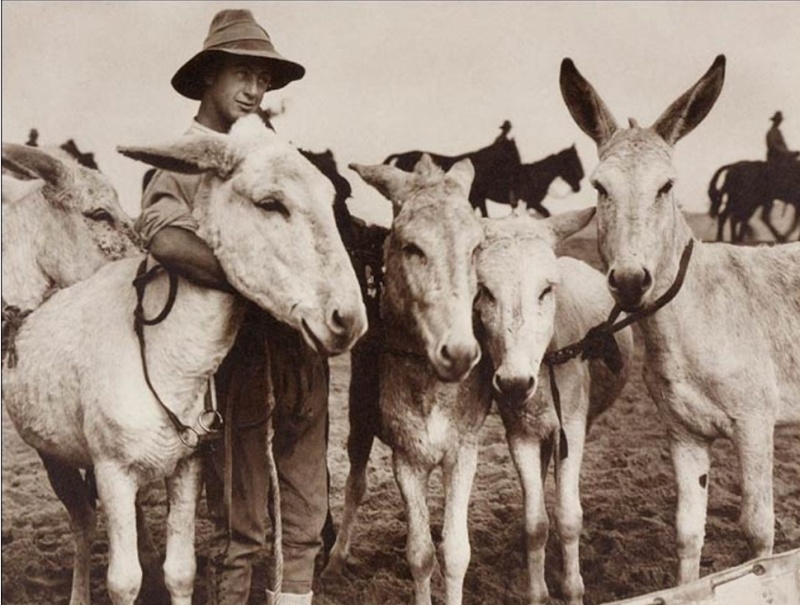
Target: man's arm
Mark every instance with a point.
(185, 254)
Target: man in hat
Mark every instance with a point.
(229, 76)
(777, 151)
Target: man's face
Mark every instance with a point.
(235, 89)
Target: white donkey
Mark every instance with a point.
(78, 394)
(433, 400)
(722, 358)
(62, 232)
(527, 310)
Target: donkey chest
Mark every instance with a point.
(427, 423)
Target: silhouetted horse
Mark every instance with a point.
(533, 180)
(495, 166)
(748, 186)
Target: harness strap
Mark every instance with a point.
(599, 342)
(210, 416)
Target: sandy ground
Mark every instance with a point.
(627, 546)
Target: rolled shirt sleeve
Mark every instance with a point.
(167, 202)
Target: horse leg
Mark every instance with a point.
(364, 415)
(183, 490)
(539, 207)
(413, 484)
(569, 512)
(532, 469)
(117, 489)
(690, 459)
(76, 496)
(753, 439)
(458, 475)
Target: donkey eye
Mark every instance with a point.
(413, 250)
(599, 188)
(665, 188)
(545, 292)
(99, 214)
(271, 205)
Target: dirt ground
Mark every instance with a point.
(628, 494)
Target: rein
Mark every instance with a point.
(599, 342)
(209, 419)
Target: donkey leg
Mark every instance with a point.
(413, 484)
(76, 496)
(691, 460)
(183, 489)
(525, 451)
(458, 477)
(754, 440)
(359, 446)
(569, 512)
(117, 489)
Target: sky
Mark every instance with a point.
(385, 77)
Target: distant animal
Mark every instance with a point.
(526, 310)
(326, 164)
(62, 232)
(721, 357)
(737, 191)
(79, 394)
(533, 181)
(434, 393)
(495, 166)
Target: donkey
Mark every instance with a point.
(721, 358)
(62, 232)
(526, 310)
(80, 394)
(434, 393)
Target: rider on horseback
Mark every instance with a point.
(777, 151)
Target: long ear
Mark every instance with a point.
(691, 107)
(568, 223)
(31, 162)
(586, 107)
(189, 155)
(463, 173)
(391, 182)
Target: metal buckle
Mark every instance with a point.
(215, 421)
(189, 437)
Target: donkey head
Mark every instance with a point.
(637, 217)
(72, 225)
(430, 261)
(516, 301)
(269, 220)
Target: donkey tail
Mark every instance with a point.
(716, 192)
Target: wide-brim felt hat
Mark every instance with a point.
(234, 32)
(777, 117)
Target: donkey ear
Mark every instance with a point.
(463, 173)
(391, 182)
(585, 105)
(691, 107)
(33, 163)
(568, 223)
(189, 155)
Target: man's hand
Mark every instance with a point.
(185, 254)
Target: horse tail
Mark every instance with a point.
(715, 192)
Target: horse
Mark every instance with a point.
(525, 310)
(719, 321)
(432, 388)
(81, 393)
(495, 167)
(532, 181)
(748, 186)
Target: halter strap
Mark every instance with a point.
(209, 419)
(599, 342)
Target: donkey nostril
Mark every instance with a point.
(647, 281)
(337, 322)
(444, 353)
(612, 280)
